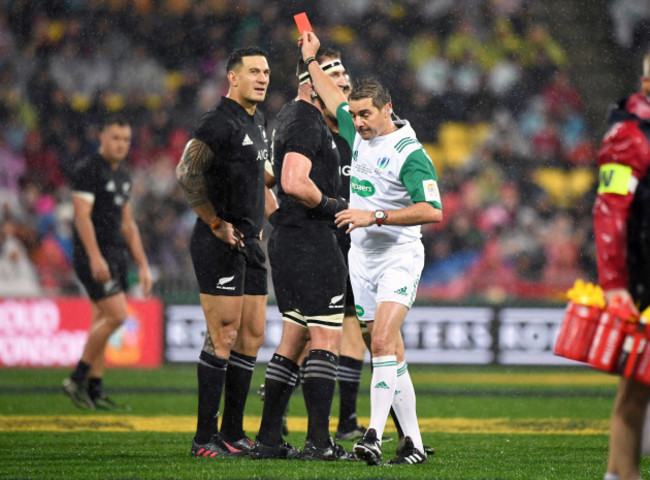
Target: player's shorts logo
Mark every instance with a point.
(360, 310)
(221, 283)
(335, 302)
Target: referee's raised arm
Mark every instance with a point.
(323, 84)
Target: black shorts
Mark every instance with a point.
(221, 270)
(117, 260)
(344, 243)
(308, 270)
(350, 306)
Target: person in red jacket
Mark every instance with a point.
(621, 228)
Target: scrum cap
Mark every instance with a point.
(331, 66)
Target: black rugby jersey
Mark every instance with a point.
(112, 189)
(302, 129)
(345, 152)
(236, 177)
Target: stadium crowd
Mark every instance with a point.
(485, 88)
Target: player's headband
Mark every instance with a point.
(332, 66)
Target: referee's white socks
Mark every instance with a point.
(404, 406)
(613, 476)
(382, 391)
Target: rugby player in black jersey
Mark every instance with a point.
(103, 230)
(309, 276)
(221, 173)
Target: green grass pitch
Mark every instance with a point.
(484, 423)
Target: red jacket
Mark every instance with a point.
(623, 160)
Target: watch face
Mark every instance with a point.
(380, 215)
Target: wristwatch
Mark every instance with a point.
(380, 217)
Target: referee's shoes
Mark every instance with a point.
(409, 455)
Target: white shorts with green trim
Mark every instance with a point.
(387, 275)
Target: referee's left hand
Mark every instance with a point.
(354, 219)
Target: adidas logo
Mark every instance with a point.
(382, 385)
(247, 141)
(401, 291)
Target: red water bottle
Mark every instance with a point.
(638, 366)
(617, 321)
(580, 321)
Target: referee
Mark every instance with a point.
(309, 275)
(221, 173)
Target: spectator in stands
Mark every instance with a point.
(18, 277)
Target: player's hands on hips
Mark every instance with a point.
(309, 44)
(625, 297)
(354, 219)
(227, 233)
(99, 269)
(144, 275)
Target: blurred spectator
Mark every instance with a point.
(18, 276)
(42, 162)
(12, 168)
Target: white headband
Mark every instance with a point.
(332, 66)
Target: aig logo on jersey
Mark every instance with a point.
(363, 188)
(262, 155)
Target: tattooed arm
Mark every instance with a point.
(190, 173)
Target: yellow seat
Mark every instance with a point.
(553, 181)
(582, 180)
(564, 188)
(455, 139)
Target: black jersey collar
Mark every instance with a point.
(235, 107)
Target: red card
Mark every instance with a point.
(302, 22)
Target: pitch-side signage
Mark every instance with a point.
(52, 333)
(442, 335)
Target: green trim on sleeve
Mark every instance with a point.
(346, 125)
(419, 177)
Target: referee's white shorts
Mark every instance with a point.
(387, 275)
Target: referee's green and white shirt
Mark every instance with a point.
(389, 172)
